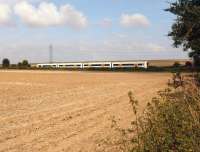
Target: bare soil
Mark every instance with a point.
(43, 111)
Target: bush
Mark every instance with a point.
(188, 64)
(171, 122)
(6, 63)
(176, 64)
(24, 64)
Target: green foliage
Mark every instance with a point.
(6, 63)
(24, 64)
(170, 123)
(186, 30)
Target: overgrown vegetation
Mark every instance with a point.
(170, 122)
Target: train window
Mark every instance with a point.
(127, 64)
(96, 65)
(46, 66)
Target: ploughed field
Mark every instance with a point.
(69, 111)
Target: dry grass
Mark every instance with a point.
(68, 111)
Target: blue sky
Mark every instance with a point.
(86, 30)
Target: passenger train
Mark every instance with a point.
(96, 65)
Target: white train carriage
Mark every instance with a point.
(53, 65)
(70, 65)
(98, 65)
(61, 65)
(88, 65)
(139, 64)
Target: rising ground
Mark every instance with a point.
(68, 111)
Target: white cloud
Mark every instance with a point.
(5, 15)
(16, 1)
(48, 14)
(134, 20)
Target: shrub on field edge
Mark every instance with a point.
(171, 121)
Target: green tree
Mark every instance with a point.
(6, 63)
(186, 30)
(24, 64)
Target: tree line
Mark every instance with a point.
(23, 64)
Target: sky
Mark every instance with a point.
(82, 30)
